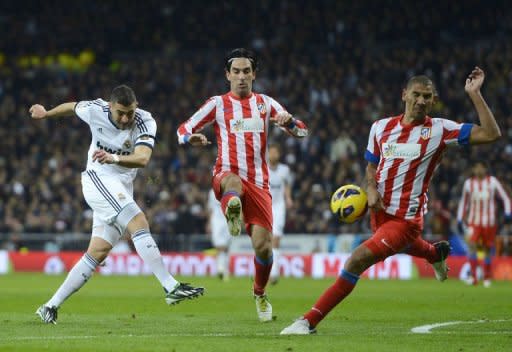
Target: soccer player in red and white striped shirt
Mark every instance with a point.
(402, 154)
(241, 119)
(477, 209)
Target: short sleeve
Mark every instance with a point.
(83, 110)
(372, 153)
(145, 127)
(455, 133)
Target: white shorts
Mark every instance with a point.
(107, 196)
(279, 215)
(220, 232)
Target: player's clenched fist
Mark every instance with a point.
(37, 111)
(282, 119)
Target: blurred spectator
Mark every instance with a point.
(339, 68)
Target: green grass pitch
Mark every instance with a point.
(129, 314)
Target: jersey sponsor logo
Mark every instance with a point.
(401, 150)
(262, 108)
(253, 124)
(480, 195)
(425, 133)
(110, 150)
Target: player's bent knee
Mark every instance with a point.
(231, 181)
(127, 214)
(360, 260)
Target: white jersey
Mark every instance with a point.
(106, 135)
(279, 178)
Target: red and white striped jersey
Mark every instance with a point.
(241, 128)
(407, 156)
(477, 205)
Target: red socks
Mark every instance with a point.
(423, 249)
(341, 288)
(262, 270)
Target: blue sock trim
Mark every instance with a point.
(140, 234)
(233, 193)
(260, 261)
(352, 278)
(90, 261)
(487, 260)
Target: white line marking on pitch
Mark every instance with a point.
(425, 329)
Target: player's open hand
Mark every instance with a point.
(475, 80)
(282, 119)
(37, 112)
(102, 157)
(198, 140)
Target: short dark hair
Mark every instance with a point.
(238, 53)
(123, 95)
(423, 80)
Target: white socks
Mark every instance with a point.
(274, 273)
(148, 250)
(223, 263)
(76, 278)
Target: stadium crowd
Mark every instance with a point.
(339, 68)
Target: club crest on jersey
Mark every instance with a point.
(261, 108)
(127, 144)
(425, 133)
(121, 196)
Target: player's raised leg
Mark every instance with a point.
(147, 249)
(231, 204)
(435, 254)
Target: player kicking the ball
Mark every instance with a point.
(241, 119)
(402, 154)
(123, 137)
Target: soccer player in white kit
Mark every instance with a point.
(221, 239)
(123, 137)
(280, 188)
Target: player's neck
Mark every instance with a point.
(240, 96)
(408, 119)
(273, 166)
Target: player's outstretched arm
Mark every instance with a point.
(488, 131)
(38, 111)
